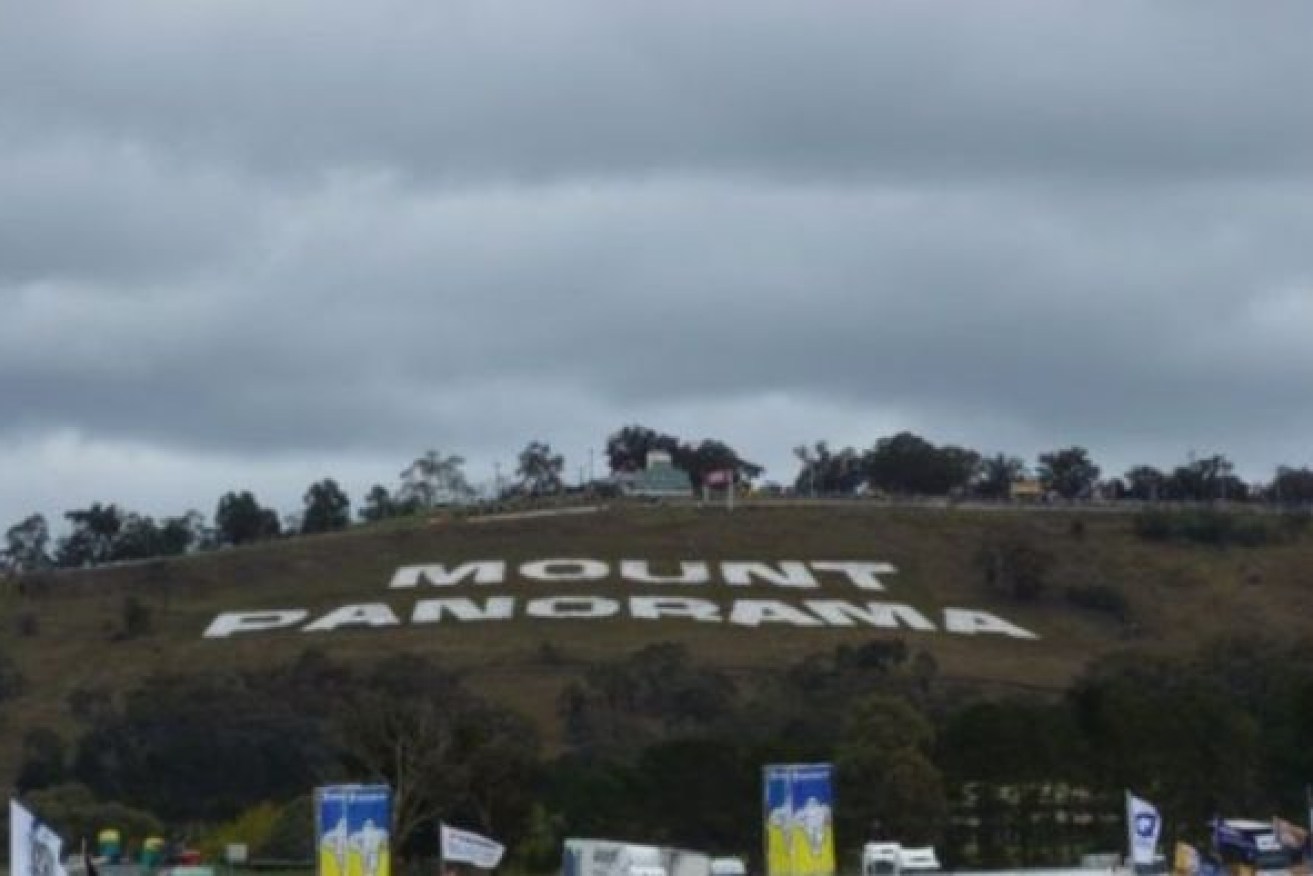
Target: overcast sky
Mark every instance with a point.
(249, 244)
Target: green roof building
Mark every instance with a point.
(660, 479)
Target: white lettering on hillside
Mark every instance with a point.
(231, 622)
(789, 574)
(572, 607)
(640, 572)
(969, 623)
(430, 611)
(742, 613)
(658, 607)
(889, 615)
(370, 614)
(437, 574)
(862, 575)
(565, 570)
(755, 612)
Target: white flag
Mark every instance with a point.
(34, 849)
(1144, 825)
(464, 847)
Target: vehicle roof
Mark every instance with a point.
(1247, 824)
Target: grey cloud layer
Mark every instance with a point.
(367, 304)
(262, 230)
(528, 91)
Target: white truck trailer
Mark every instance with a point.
(596, 857)
(893, 859)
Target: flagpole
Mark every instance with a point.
(1130, 832)
(1308, 804)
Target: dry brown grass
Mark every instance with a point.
(1180, 596)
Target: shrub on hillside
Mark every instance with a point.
(138, 619)
(74, 811)
(1152, 524)
(253, 827)
(1216, 528)
(1013, 566)
(1100, 597)
(45, 760)
(11, 680)
(292, 836)
(1296, 523)
(27, 625)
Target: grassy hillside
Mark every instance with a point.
(66, 630)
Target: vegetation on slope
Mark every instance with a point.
(1157, 660)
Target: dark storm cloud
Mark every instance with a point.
(243, 231)
(529, 91)
(982, 298)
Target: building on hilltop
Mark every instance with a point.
(658, 480)
(1026, 490)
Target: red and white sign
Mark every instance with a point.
(720, 478)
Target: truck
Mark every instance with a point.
(729, 867)
(893, 859)
(588, 857)
(597, 857)
(1246, 847)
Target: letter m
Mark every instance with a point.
(438, 575)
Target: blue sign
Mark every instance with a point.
(799, 819)
(353, 824)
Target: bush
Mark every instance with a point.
(1013, 566)
(73, 811)
(1102, 598)
(1211, 527)
(291, 837)
(27, 625)
(12, 682)
(1206, 527)
(253, 828)
(1153, 525)
(1295, 523)
(138, 619)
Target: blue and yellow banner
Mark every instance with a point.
(799, 819)
(353, 825)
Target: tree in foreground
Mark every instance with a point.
(327, 508)
(240, 519)
(381, 505)
(27, 545)
(627, 449)
(1068, 472)
(824, 472)
(92, 538)
(885, 772)
(710, 455)
(1144, 482)
(907, 464)
(539, 470)
(434, 479)
(1292, 486)
(996, 475)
